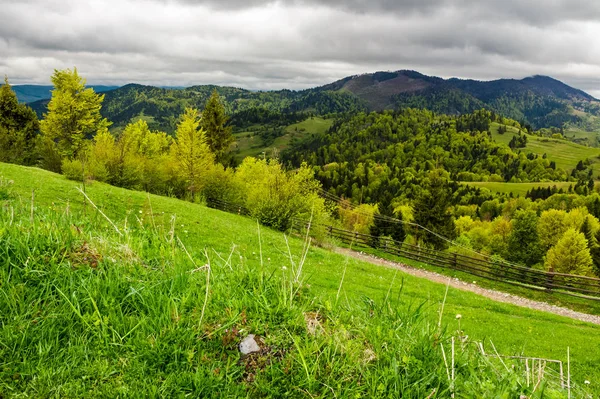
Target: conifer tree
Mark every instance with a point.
(570, 255)
(191, 152)
(73, 115)
(18, 128)
(431, 211)
(384, 225)
(214, 123)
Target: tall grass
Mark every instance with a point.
(90, 310)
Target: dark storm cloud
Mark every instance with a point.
(297, 43)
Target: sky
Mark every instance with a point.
(295, 44)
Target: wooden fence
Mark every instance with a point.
(476, 265)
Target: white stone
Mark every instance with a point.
(249, 345)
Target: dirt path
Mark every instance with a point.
(463, 285)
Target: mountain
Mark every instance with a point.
(537, 101)
(161, 107)
(31, 93)
(540, 101)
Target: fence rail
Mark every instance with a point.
(482, 266)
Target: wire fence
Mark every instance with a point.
(479, 265)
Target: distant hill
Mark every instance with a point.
(31, 93)
(540, 101)
(537, 101)
(161, 107)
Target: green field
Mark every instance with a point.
(518, 188)
(249, 143)
(132, 322)
(565, 153)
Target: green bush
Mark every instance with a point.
(72, 169)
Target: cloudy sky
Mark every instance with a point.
(263, 44)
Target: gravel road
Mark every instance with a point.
(463, 285)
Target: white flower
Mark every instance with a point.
(586, 382)
(140, 211)
(283, 268)
(459, 316)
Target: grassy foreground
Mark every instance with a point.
(88, 309)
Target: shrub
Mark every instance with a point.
(72, 169)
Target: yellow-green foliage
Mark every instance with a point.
(357, 219)
(553, 224)
(73, 114)
(275, 196)
(570, 255)
(190, 152)
(137, 159)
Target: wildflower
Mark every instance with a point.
(140, 211)
(586, 382)
(459, 316)
(283, 268)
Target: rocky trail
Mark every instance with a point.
(466, 286)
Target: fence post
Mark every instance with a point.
(330, 230)
(549, 281)
(454, 262)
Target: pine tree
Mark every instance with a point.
(191, 152)
(214, 123)
(73, 114)
(592, 243)
(431, 211)
(570, 255)
(384, 226)
(18, 128)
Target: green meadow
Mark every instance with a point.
(140, 294)
(565, 153)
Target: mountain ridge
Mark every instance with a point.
(537, 101)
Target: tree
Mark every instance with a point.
(384, 225)
(214, 123)
(432, 211)
(73, 114)
(551, 226)
(523, 243)
(570, 255)
(18, 128)
(191, 152)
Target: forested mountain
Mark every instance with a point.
(162, 107)
(369, 157)
(31, 93)
(538, 102)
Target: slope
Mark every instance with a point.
(565, 153)
(513, 330)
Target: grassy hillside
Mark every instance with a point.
(566, 154)
(87, 311)
(250, 143)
